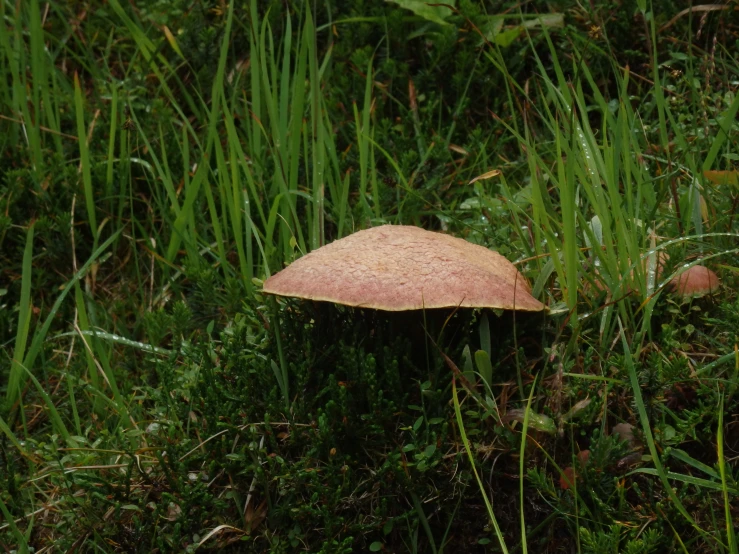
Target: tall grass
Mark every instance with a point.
(593, 202)
(27, 365)
(269, 187)
(596, 208)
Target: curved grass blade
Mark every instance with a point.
(644, 420)
(40, 335)
(468, 449)
(24, 321)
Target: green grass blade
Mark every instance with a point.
(281, 372)
(85, 159)
(20, 538)
(468, 449)
(649, 437)
(84, 325)
(54, 416)
(729, 519)
(8, 432)
(24, 323)
(689, 479)
(39, 76)
(40, 335)
(113, 129)
(317, 135)
(727, 120)
(522, 468)
(424, 521)
(73, 404)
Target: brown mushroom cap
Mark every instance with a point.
(397, 268)
(695, 281)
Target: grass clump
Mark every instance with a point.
(159, 161)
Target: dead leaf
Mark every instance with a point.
(172, 41)
(579, 406)
(569, 475)
(458, 149)
(723, 177)
(488, 175)
(567, 479)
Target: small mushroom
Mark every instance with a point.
(569, 475)
(625, 431)
(695, 281)
(398, 268)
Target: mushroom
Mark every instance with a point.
(695, 281)
(625, 432)
(569, 475)
(398, 268)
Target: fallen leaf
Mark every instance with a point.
(581, 405)
(488, 175)
(567, 479)
(172, 41)
(569, 475)
(723, 177)
(458, 149)
(540, 422)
